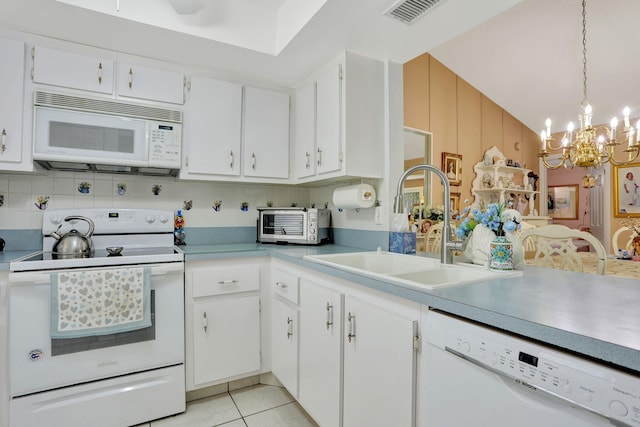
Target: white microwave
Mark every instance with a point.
(100, 135)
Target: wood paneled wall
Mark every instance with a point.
(462, 120)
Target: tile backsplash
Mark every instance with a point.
(26, 196)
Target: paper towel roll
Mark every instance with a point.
(354, 196)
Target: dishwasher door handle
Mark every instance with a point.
(549, 393)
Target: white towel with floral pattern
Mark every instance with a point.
(100, 301)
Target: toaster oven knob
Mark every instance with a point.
(164, 219)
(312, 230)
(150, 219)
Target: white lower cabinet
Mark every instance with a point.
(320, 380)
(284, 328)
(379, 366)
(345, 352)
(222, 320)
(284, 344)
(226, 337)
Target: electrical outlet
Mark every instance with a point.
(378, 215)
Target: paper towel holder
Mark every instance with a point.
(356, 197)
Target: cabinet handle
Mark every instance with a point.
(130, 78)
(205, 322)
(308, 156)
(231, 282)
(329, 315)
(100, 73)
(281, 285)
(352, 326)
(3, 141)
(319, 157)
(290, 328)
(231, 159)
(253, 161)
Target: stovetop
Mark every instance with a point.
(146, 236)
(99, 258)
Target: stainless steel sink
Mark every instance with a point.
(410, 270)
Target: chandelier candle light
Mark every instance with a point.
(590, 146)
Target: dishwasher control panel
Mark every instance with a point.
(597, 388)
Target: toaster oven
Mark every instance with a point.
(305, 226)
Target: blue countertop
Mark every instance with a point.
(597, 316)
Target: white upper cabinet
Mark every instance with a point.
(94, 70)
(212, 129)
(266, 134)
(344, 118)
(150, 83)
(91, 71)
(305, 145)
(13, 155)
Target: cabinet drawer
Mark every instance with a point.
(285, 284)
(225, 281)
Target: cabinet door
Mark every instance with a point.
(266, 133)
(226, 337)
(213, 127)
(329, 119)
(73, 70)
(11, 85)
(379, 366)
(284, 344)
(153, 84)
(320, 388)
(305, 156)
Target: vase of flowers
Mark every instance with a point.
(489, 236)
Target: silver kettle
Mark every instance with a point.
(73, 244)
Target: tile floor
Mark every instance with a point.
(256, 406)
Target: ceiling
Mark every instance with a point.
(525, 55)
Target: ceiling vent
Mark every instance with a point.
(409, 11)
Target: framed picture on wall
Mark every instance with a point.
(562, 201)
(452, 167)
(626, 197)
(454, 203)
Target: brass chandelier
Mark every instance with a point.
(590, 146)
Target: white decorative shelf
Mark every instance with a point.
(495, 182)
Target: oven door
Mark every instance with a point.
(283, 226)
(39, 362)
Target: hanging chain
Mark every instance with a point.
(584, 53)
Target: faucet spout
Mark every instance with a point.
(448, 245)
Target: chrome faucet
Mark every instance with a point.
(448, 245)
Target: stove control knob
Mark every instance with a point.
(150, 219)
(55, 219)
(164, 219)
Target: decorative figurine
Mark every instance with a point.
(244, 206)
(188, 204)
(156, 189)
(121, 188)
(217, 205)
(178, 233)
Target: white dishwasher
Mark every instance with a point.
(479, 376)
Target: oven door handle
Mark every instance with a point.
(42, 277)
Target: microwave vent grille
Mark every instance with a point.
(104, 106)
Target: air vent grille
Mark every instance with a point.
(103, 106)
(408, 11)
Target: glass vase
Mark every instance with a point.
(501, 254)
